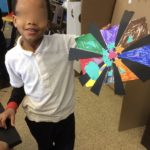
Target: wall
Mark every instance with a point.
(141, 8)
(98, 12)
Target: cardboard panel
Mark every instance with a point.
(136, 102)
(136, 105)
(140, 7)
(98, 12)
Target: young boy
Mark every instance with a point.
(39, 65)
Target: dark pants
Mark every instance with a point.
(54, 136)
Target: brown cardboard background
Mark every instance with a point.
(136, 102)
(136, 105)
(141, 8)
(98, 12)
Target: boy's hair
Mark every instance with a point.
(49, 11)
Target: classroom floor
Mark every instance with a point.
(97, 120)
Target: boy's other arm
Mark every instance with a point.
(16, 98)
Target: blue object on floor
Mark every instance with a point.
(4, 6)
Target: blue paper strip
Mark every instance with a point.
(140, 55)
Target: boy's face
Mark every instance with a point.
(31, 19)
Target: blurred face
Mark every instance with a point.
(31, 20)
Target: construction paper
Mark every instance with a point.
(9, 135)
(84, 78)
(140, 55)
(112, 55)
(109, 77)
(115, 54)
(92, 70)
(136, 30)
(98, 84)
(89, 43)
(96, 33)
(110, 73)
(109, 36)
(125, 73)
(76, 54)
(142, 42)
(118, 85)
(92, 81)
(129, 39)
(140, 70)
(106, 59)
(84, 62)
(123, 24)
(119, 49)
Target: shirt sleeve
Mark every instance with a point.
(71, 40)
(17, 95)
(72, 44)
(15, 79)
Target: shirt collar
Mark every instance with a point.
(29, 53)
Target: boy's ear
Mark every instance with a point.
(14, 20)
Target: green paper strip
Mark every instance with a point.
(89, 43)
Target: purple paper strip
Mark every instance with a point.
(98, 60)
(109, 36)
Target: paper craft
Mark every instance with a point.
(9, 135)
(114, 55)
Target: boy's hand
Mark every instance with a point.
(9, 113)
